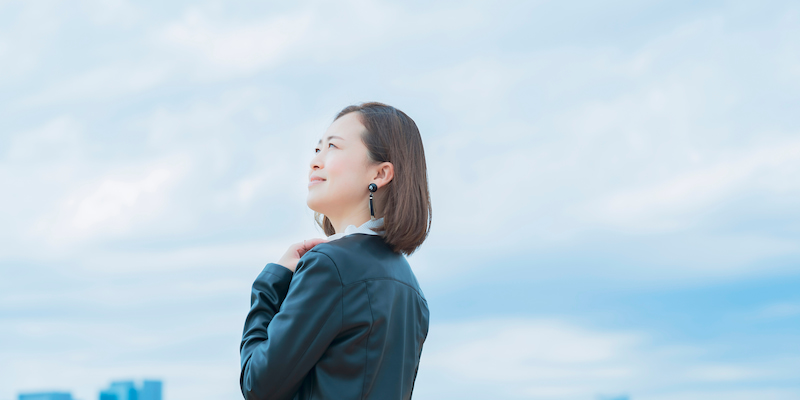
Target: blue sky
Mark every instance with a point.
(615, 188)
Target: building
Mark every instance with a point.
(120, 390)
(46, 396)
(127, 390)
(151, 390)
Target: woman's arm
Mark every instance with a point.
(291, 322)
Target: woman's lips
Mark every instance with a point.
(315, 181)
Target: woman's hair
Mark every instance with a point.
(393, 136)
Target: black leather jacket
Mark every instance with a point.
(349, 323)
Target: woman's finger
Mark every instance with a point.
(308, 244)
(315, 241)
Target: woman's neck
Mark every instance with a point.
(340, 224)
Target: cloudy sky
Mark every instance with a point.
(615, 188)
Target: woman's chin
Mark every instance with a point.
(313, 203)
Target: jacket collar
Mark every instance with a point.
(366, 227)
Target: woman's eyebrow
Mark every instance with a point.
(331, 137)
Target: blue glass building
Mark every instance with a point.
(151, 390)
(46, 396)
(127, 390)
(120, 390)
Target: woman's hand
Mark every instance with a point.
(292, 256)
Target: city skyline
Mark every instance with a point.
(117, 390)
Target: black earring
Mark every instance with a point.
(372, 187)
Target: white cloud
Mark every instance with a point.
(477, 89)
(675, 203)
(110, 205)
(234, 256)
(101, 83)
(552, 359)
(112, 12)
(59, 138)
(543, 357)
(314, 32)
(113, 198)
(25, 38)
(645, 141)
(243, 47)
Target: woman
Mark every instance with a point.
(344, 317)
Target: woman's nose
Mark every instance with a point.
(316, 162)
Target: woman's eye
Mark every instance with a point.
(317, 150)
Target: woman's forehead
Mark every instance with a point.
(347, 127)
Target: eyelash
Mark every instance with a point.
(329, 144)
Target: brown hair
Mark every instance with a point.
(394, 137)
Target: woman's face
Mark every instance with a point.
(339, 173)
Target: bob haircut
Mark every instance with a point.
(394, 137)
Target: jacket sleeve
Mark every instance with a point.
(293, 318)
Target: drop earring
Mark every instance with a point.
(372, 188)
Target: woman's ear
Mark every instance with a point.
(384, 174)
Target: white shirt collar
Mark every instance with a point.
(366, 227)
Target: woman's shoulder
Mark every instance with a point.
(360, 257)
(355, 244)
